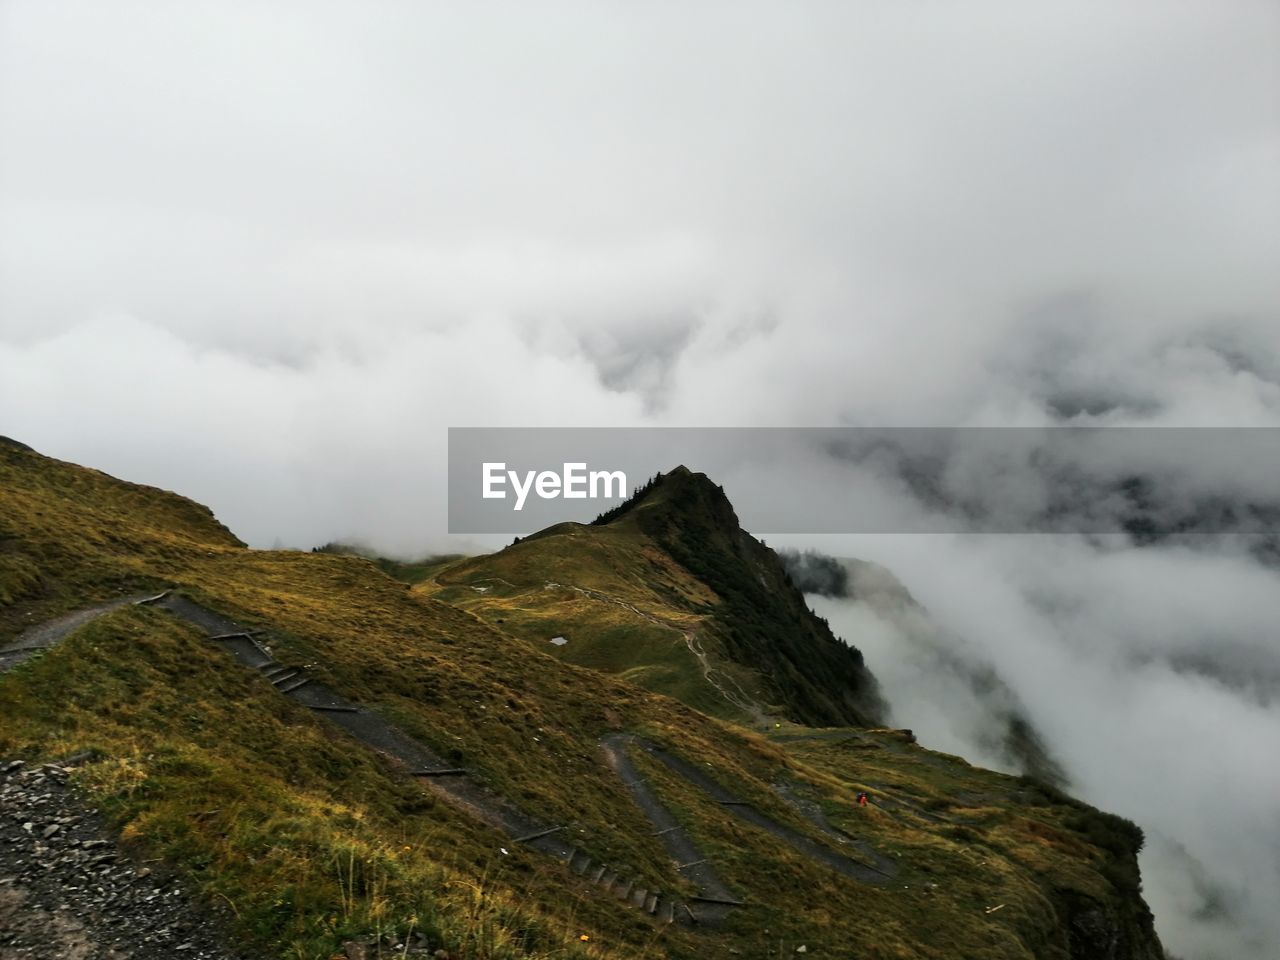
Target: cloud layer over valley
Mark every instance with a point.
(265, 256)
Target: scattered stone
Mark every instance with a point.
(67, 891)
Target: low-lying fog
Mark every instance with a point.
(1152, 676)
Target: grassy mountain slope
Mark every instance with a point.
(669, 592)
(68, 533)
(312, 838)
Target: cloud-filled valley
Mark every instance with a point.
(1095, 642)
(266, 258)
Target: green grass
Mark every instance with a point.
(632, 624)
(303, 833)
(600, 634)
(408, 571)
(310, 838)
(670, 560)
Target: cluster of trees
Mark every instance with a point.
(813, 572)
(642, 491)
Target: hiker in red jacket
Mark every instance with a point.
(862, 798)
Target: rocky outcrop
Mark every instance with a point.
(1101, 931)
(762, 619)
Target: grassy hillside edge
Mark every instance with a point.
(313, 839)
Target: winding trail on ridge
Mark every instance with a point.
(798, 841)
(889, 798)
(716, 897)
(40, 637)
(741, 700)
(453, 784)
(707, 907)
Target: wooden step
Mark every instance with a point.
(651, 903)
(667, 911)
(622, 889)
(294, 686)
(285, 675)
(579, 862)
(609, 879)
(639, 896)
(598, 873)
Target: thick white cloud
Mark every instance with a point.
(1153, 676)
(266, 255)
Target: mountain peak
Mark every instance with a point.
(763, 618)
(680, 495)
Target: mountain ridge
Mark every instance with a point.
(764, 615)
(761, 651)
(317, 839)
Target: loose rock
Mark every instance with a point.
(68, 892)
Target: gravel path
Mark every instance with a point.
(68, 892)
(691, 862)
(711, 905)
(361, 723)
(812, 812)
(432, 771)
(42, 636)
(744, 811)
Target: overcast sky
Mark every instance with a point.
(265, 254)
(295, 243)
